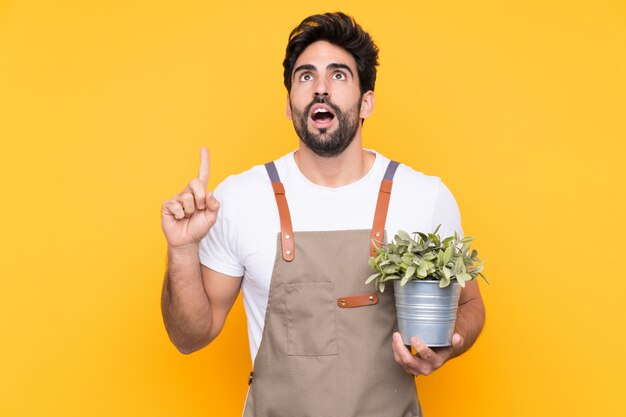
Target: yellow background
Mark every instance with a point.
(519, 106)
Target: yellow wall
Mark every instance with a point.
(519, 106)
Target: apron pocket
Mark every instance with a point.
(311, 321)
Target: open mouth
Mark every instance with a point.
(321, 115)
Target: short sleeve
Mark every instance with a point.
(446, 213)
(218, 249)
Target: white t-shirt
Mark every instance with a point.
(242, 243)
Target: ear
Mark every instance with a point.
(367, 104)
(288, 110)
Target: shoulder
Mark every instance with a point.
(247, 195)
(406, 175)
(410, 182)
(414, 187)
(244, 185)
(422, 202)
(254, 177)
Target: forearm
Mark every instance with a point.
(469, 322)
(184, 302)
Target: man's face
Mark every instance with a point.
(325, 101)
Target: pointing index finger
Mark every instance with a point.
(203, 172)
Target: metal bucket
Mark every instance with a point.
(426, 311)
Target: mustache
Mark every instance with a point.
(322, 100)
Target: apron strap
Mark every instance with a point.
(286, 230)
(382, 205)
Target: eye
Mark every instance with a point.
(339, 76)
(306, 77)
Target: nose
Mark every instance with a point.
(321, 89)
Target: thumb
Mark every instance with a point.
(457, 340)
(211, 202)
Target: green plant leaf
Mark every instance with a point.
(462, 277)
(434, 238)
(409, 272)
(475, 269)
(401, 242)
(429, 256)
(395, 258)
(372, 278)
(391, 269)
(459, 266)
(390, 277)
(466, 247)
(405, 279)
(425, 256)
(404, 235)
(408, 258)
(447, 255)
(440, 261)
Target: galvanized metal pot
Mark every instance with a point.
(427, 311)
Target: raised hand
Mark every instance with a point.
(189, 215)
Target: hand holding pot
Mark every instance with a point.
(426, 360)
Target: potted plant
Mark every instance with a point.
(426, 271)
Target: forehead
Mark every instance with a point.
(322, 53)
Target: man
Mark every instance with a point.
(295, 235)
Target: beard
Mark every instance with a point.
(328, 144)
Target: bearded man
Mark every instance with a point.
(295, 235)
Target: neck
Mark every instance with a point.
(343, 169)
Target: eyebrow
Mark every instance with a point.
(340, 66)
(309, 67)
(304, 67)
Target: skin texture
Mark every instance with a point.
(325, 74)
(343, 91)
(196, 300)
(322, 142)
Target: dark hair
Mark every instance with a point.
(341, 30)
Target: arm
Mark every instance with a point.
(469, 322)
(195, 300)
(470, 318)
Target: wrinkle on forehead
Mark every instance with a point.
(320, 54)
